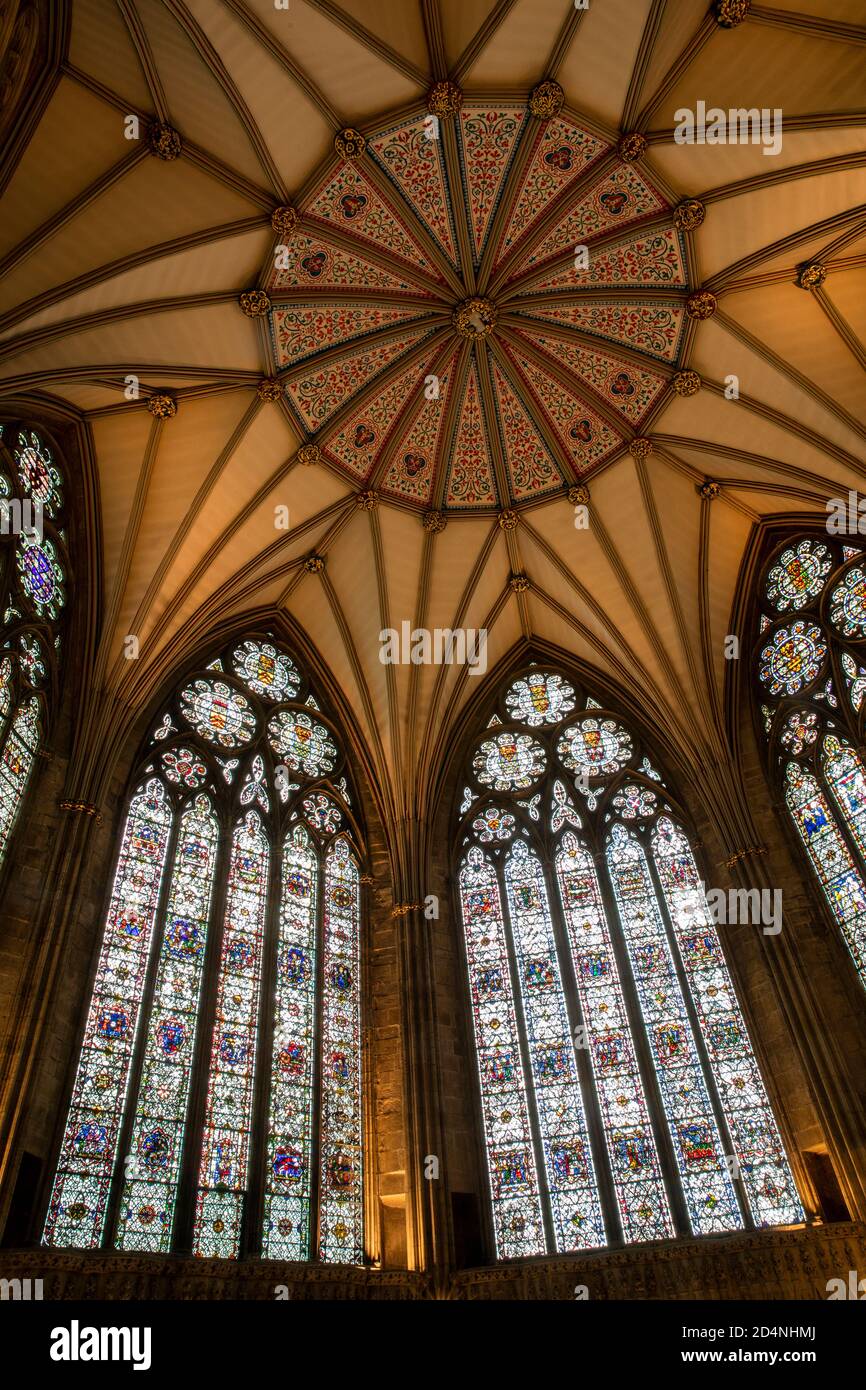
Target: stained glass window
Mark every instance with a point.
(33, 577)
(302, 742)
(810, 680)
(619, 1094)
(218, 1102)
(340, 1164)
(288, 1173)
(87, 1159)
(757, 1145)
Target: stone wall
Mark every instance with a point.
(764, 1265)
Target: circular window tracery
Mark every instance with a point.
(595, 748)
(509, 761)
(798, 576)
(793, 658)
(848, 604)
(218, 712)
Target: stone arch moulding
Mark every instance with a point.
(817, 982)
(691, 814)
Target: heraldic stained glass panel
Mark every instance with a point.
(517, 1218)
(218, 1103)
(223, 1176)
(625, 1113)
(288, 1173)
(340, 1179)
(809, 681)
(619, 1093)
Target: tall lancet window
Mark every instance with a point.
(33, 573)
(810, 676)
(619, 1093)
(217, 1101)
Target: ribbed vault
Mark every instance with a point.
(129, 257)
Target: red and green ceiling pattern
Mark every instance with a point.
(389, 243)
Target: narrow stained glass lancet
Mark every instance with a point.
(152, 1168)
(512, 1164)
(757, 1143)
(698, 1146)
(224, 1172)
(288, 1174)
(559, 1106)
(643, 1203)
(341, 1166)
(77, 1209)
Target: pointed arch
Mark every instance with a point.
(218, 1101)
(620, 1096)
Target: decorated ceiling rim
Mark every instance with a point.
(476, 310)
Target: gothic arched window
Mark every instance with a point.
(620, 1095)
(34, 580)
(218, 1092)
(810, 673)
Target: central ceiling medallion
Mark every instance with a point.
(475, 317)
(478, 304)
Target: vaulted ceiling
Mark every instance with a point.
(432, 453)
